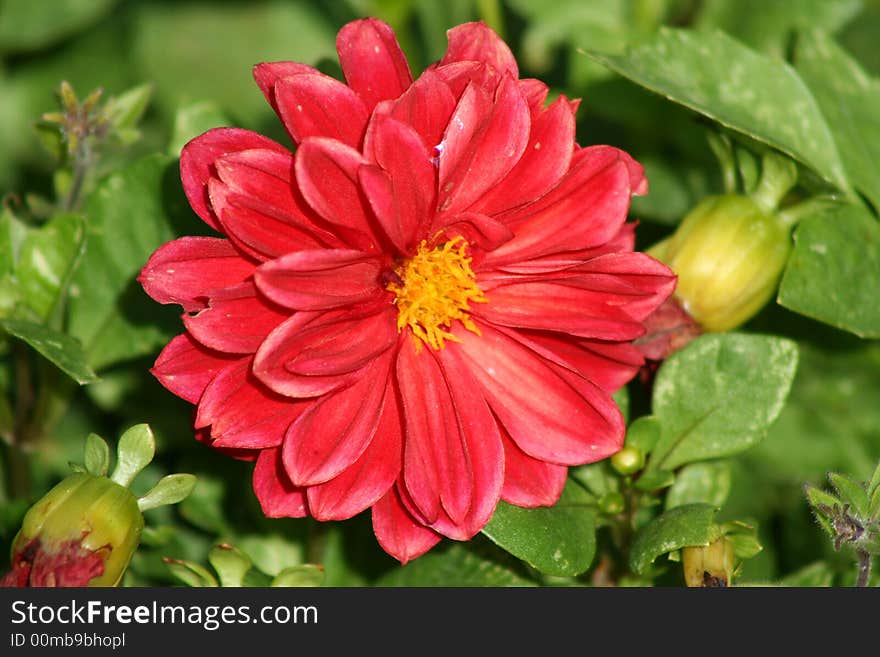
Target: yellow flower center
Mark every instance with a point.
(434, 288)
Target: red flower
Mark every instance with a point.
(425, 308)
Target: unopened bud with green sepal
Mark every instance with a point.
(85, 530)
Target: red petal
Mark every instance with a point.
(316, 105)
(402, 191)
(268, 73)
(397, 532)
(477, 41)
(452, 453)
(320, 279)
(559, 306)
(236, 320)
(477, 230)
(529, 482)
(364, 482)
(585, 210)
(313, 353)
(544, 162)
(535, 92)
(426, 106)
(372, 61)
(482, 143)
(335, 431)
(242, 413)
(197, 163)
(549, 415)
(327, 175)
(188, 269)
(278, 497)
(186, 368)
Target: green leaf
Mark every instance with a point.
(717, 76)
(131, 213)
(644, 433)
(230, 563)
(32, 24)
(304, 575)
(813, 575)
(706, 483)
(271, 553)
(135, 450)
(850, 492)
(817, 497)
(97, 456)
(63, 351)
(46, 261)
(455, 566)
(171, 489)
(833, 273)
(649, 482)
(692, 524)
(850, 101)
(743, 539)
(192, 120)
(718, 396)
(874, 484)
(558, 540)
(124, 112)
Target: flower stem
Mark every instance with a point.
(864, 572)
(81, 165)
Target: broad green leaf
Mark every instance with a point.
(230, 564)
(97, 456)
(596, 477)
(654, 480)
(129, 215)
(47, 259)
(271, 553)
(768, 26)
(135, 451)
(192, 53)
(719, 77)
(691, 524)
(171, 489)
(719, 395)
(303, 575)
(558, 540)
(454, 566)
(850, 101)
(33, 24)
(706, 483)
(833, 273)
(62, 350)
(192, 120)
(191, 574)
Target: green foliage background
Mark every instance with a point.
(653, 75)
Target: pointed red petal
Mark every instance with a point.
(335, 431)
(186, 368)
(397, 532)
(236, 320)
(316, 105)
(320, 279)
(327, 175)
(426, 106)
(372, 61)
(267, 74)
(278, 497)
(197, 163)
(477, 41)
(483, 142)
(314, 353)
(188, 269)
(364, 482)
(550, 416)
(529, 482)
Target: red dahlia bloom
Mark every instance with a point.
(425, 308)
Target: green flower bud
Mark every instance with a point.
(612, 503)
(628, 460)
(82, 532)
(729, 253)
(710, 565)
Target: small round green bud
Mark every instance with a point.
(729, 253)
(628, 460)
(612, 503)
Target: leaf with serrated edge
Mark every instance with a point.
(136, 449)
(97, 455)
(169, 490)
(683, 526)
(719, 395)
(721, 78)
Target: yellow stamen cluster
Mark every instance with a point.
(436, 287)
